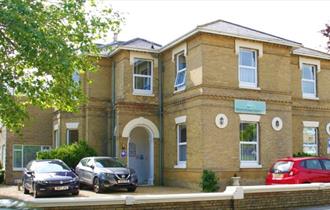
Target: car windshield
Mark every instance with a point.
(49, 167)
(107, 163)
(282, 167)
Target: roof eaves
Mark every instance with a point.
(294, 44)
(326, 57)
(180, 39)
(131, 48)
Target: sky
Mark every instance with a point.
(164, 21)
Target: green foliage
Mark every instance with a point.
(70, 154)
(210, 182)
(42, 44)
(302, 154)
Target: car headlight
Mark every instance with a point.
(42, 182)
(108, 175)
(75, 179)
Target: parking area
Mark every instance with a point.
(10, 191)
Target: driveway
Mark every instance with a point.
(9, 191)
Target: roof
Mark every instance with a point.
(304, 51)
(226, 28)
(133, 44)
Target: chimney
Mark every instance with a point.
(115, 37)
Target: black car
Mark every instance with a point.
(46, 177)
(106, 173)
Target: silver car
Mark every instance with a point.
(105, 173)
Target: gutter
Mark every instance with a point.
(113, 110)
(161, 121)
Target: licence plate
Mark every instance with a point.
(277, 176)
(121, 181)
(61, 187)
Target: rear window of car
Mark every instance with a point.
(282, 167)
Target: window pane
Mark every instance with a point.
(248, 132)
(308, 72)
(247, 57)
(308, 87)
(180, 78)
(182, 152)
(326, 164)
(18, 159)
(313, 164)
(142, 83)
(142, 67)
(310, 141)
(183, 133)
(30, 153)
(181, 61)
(247, 75)
(73, 136)
(248, 152)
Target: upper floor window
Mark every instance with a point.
(142, 77)
(248, 68)
(308, 80)
(180, 79)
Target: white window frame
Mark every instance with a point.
(314, 71)
(255, 163)
(42, 148)
(180, 121)
(57, 138)
(181, 86)
(316, 138)
(243, 84)
(140, 91)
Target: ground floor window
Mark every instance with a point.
(310, 139)
(22, 154)
(182, 144)
(56, 138)
(72, 136)
(249, 142)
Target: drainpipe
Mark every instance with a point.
(161, 121)
(113, 110)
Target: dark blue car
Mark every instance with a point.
(47, 177)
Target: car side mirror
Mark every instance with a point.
(30, 173)
(92, 167)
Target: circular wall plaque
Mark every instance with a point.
(277, 123)
(221, 120)
(327, 128)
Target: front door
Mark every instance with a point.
(139, 155)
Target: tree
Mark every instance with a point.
(43, 43)
(326, 33)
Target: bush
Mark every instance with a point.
(302, 154)
(210, 182)
(70, 154)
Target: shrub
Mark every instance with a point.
(70, 154)
(210, 182)
(302, 154)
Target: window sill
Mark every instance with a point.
(143, 94)
(18, 169)
(249, 87)
(311, 98)
(250, 165)
(181, 165)
(179, 90)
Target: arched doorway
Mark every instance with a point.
(140, 146)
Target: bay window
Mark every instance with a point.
(23, 154)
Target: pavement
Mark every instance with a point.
(10, 191)
(327, 207)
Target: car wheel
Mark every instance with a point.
(26, 191)
(97, 186)
(131, 189)
(35, 192)
(75, 192)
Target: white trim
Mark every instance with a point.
(181, 164)
(280, 123)
(309, 61)
(250, 45)
(311, 124)
(72, 125)
(141, 121)
(249, 87)
(250, 165)
(181, 48)
(327, 128)
(225, 120)
(181, 119)
(146, 56)
(55, 127)
(249, 117)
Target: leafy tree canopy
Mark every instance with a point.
(326, 33)
(42, 44)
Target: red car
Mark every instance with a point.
(299, 170)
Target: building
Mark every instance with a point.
(222, 97)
